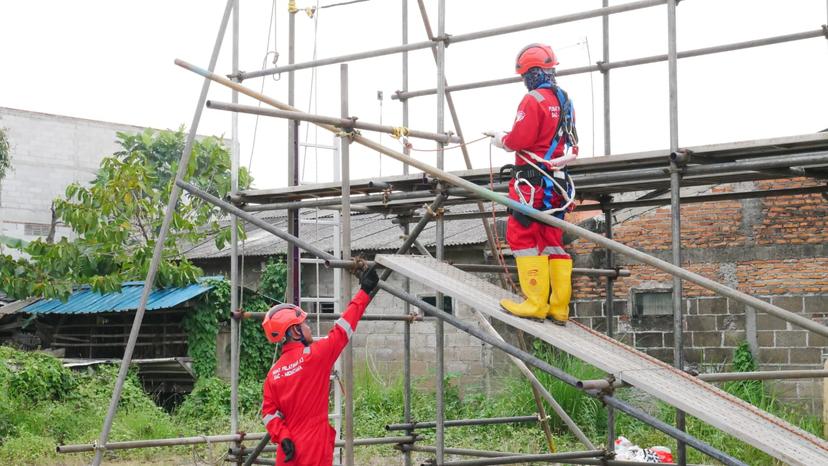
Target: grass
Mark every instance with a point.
(43, 405)
(378, 403)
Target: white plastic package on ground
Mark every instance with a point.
(628, 451)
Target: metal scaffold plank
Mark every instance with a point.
(677, 388)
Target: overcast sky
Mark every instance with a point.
(113, 60)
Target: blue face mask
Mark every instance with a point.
(537, 77)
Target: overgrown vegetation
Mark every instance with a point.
(117, 218)
(68, 407)
(202, 326)
(378, 403)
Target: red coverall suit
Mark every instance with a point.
(297, 388)
(537, 247)
(533, 131)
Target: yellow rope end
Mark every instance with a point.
(399, 132)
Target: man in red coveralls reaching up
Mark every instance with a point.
(296, 390)
(541, 136)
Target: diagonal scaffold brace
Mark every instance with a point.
(100, 446)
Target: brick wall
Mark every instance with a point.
(773, 248)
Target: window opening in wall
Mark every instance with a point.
(652, 302)
(35, 229)
(326, 308)
(448, 305)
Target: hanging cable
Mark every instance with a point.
(312, 93)
(500, 259)
(270, 28)
(407, 144)
(592, 92)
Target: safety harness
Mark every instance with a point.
(559, 182)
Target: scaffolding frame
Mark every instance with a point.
(659, 172)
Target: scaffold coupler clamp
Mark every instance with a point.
(609, 390)
(359, 264)
(349, 131)
(386, 195)
(406, 446)
(445, 38)
(681, 157)
(240, 445)
(607, 456)
(98, 447)
(602, 66)
(434, 213)
(238, 314)
(825, 30)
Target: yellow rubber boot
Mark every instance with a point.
(533, 273)
(560, 276)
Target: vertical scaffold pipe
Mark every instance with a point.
(159, 245)
(345, 218)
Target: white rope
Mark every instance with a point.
(569, 199)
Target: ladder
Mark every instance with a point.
(728, 413)
(316, 301)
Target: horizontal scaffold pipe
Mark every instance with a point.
(330, 317)
(709, 198)
(258, 461)
(345, 123)
(164, 442)
(171, 442)
(625, 63)
(499, 454)
(593, 237)
(588, 180)
(602, 384)
(359, 442)
(463, 422)
(522, 459)
(230, 208)
(455, 38)
(575, 271)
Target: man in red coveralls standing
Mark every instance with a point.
(296, 390)
(541, 136)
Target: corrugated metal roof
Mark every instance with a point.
(86, 301)
(369, 232)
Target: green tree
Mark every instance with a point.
(5, 154)
(118, 216)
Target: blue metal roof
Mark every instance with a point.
(86, 301)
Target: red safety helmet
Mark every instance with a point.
(535, 55)
(279, 319)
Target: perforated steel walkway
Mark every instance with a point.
(699, 399)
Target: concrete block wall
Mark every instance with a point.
(49, 152)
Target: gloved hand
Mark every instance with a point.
(289, 448)
(369, 280)
(497, 139)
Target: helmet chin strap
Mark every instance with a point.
(301, 337)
